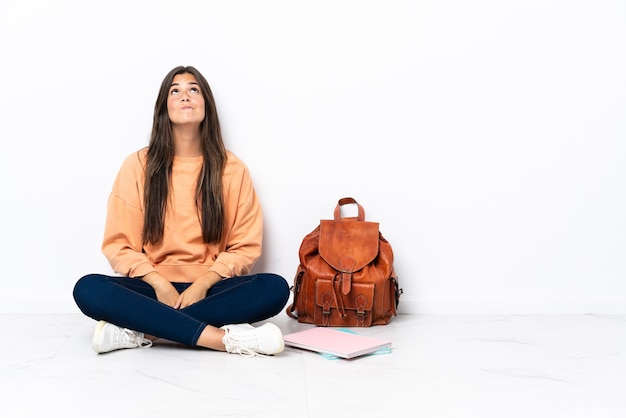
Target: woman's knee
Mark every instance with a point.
(86, 291)
(277, 287)
(84, 285)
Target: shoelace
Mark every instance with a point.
(246, 352)
(234, 346)
(136, 339)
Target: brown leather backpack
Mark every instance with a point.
(346, 276)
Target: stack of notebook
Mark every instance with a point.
(334, 342)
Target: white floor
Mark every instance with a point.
(441, 366)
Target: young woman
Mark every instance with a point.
(183, 229)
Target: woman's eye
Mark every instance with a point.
(174, 91)
(195, 90)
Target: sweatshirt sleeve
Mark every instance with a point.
(244, 223)
(122, 243)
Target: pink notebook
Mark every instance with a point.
(338, 343)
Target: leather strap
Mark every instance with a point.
(361, 303)
(347, 201)
(341, 308)
(347, 268)
(296, 291)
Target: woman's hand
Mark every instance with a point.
(198, 290)
(165, 291)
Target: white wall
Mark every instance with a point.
(487, 137)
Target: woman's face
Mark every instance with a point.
(185, 103)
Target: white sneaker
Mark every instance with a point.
(108, 337)
(246, 340)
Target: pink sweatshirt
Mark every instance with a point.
(182, 256)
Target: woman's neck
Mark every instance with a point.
(187, 142)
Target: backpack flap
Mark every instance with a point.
(347, 246)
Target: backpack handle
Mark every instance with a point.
(348, 201)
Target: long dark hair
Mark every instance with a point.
(209, 190)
